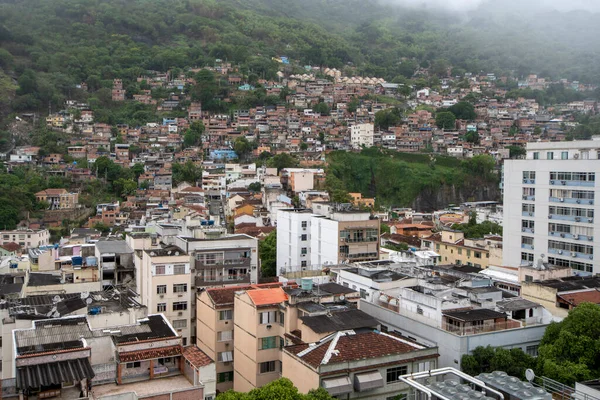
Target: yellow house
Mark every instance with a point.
(453, 248)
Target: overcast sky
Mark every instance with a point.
(465, 5)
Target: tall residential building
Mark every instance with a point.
(27, 238)
(327, 235)
(166, 281)
(549, 206)
(362, 135)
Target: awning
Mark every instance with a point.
(336, 386)
(36, 376)
(368, 381)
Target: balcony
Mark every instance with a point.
(569, 200)
(528, 214)
(528, 230)
(242, 262)
(529, 181)
(486, 327)
(222, 280)
(529, 198)
(573, 254)
(527, 246)
(571, 218)
(557, 182)
(565, 235)
(360, 240)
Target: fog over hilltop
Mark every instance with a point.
(529, 5)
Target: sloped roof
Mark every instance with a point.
(196, 357)
(351, 346)
(339, 321)
(263, 297)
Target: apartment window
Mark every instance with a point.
(393, 374)
(564, 155)
(532, 350)
(304, 224)
(180, 323)
(527, 257)
(267, 342)
(550, 155)
(225, 315)
(160, 269)
(303, 251)
(180, 306)
(304, 237)
(225, 356)
(224, 336)
(303, 264)
(281, 318)
(161, 307)
(161, 289)
(459, 251)
(477, 254)
(536, 155)
(266, 367)
(225, 377)
(135, 364)
(468, 253)
(268, 317)
(179, 269)
(180, 288)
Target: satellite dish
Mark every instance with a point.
(342, 297)
(542, 255)
(88, 300)
(529, 374)
(56, 299)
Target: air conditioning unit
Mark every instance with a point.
(591, 201)
(180, 313)
(533, 199)
(578, 201)
(576, 237)
(532, 231)
(573, 254)
(162, 296)
(549, 216)
(524, 197)
(590, 238)
(180, 295)
(561, 200)
(563, 182)
(532, 247)
(577, 219)
(524, 180)
(562, 235)
(552, 182)
(531, 214)
(591, 257)
(560, 252)
(590, 220)
(523, 230)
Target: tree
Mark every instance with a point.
(352, 105)
(242, 147)
(282, 389)
(124, 187)
(445, 120)
(187, 172)
(322, 108)
(463, 110)
(472, 137)
(303, 146)
(570, 350)
(386, 118)
(281, 161)
(537, 131)
(254, 187)
(488, 359)
(193, 135)
(267, 250)
(516, 151)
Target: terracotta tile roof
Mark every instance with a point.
(352, 347)
(11, 246)
(51, 192)
(263, 297)
(590, 296)
(196, 357)
(150, 354)
(224, 296)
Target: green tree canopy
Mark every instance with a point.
(445, 120)
(488, 359)
(570, 349)
(267, 249)
(322, 108)
(386, 118)
(193, 135)
(281, 389)
(187, 172)
(463, 110)
(281, 161)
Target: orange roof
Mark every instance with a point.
(263, 297)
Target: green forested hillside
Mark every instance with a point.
(66, 42)
(397, 179)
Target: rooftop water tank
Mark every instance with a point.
(306, 284)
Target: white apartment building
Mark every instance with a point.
(550, 206)
(167, 288)
(325, 236)
(362, 135)
(27, 238)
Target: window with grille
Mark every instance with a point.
(393, 374)
(180, 306)
(159, 270)
(224, 336)
(161, 307)
(180, 288)
(179, 269)
(225, 315)
(161, 289)
(180, 323)
(266, 367)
